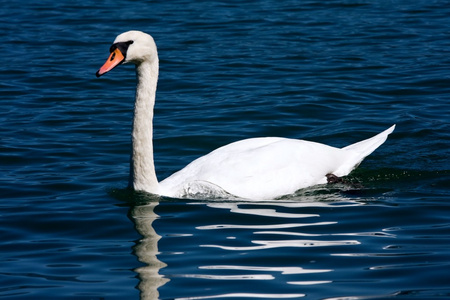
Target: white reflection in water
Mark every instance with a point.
(234, 208)
(229, 277)
(247, 295)
(147, 250)
(282, 270)
(271, 226)
(286, 243)
(374, 234)
(309, 282)
(262, 244)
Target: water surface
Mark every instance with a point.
(334, 72)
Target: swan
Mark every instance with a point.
(255, 168)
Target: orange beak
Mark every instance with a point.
(115, 58)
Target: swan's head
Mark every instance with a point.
(130, 47)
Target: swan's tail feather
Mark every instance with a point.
(368, 146)
(363, 149)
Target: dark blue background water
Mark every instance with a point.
(329, 71)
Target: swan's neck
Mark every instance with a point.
(142, 167)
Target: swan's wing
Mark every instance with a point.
(259, 168)
(264, 168)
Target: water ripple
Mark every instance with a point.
(282, 270)
(289, 225)
(247, 295)
(286, 243)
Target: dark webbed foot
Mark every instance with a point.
(333, 179)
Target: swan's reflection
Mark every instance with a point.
(276, 225)
(262, 228)
(147, 250)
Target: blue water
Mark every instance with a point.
(333, 71)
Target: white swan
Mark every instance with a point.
(257, 168)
